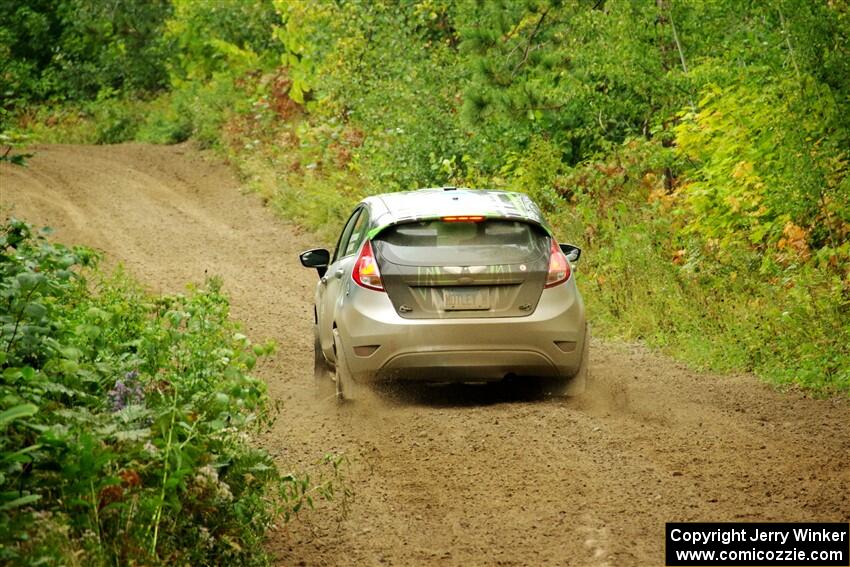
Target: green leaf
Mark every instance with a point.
(12, 373)
(18, 502)
(28, 280)
(133, 412)
(17, 412)
(133, 434)
(15, 457)
(35, 310)
(57, 388)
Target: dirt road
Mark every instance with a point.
(461, 475)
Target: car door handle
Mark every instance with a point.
(338, 274)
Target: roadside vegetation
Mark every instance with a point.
(698, 151)
(127, 422)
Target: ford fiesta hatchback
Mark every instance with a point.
(448, 285)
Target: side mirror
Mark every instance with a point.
(318, 258)
(573, 253)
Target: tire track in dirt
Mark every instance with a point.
(461, 475)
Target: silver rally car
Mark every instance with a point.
(448, 285)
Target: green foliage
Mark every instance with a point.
(390, 70)
(646, 277)
(768, 160)
(210, 35)
(221, 48)
(580, 73)
(101, 121)
(79, 49)
(535, 172)
(125, 420)
(211, 70)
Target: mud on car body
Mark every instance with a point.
(448, 285)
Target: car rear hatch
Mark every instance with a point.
(462, 267)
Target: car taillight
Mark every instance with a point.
(365, 272)
(559, 268)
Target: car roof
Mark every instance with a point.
(388, 209)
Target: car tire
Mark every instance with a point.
(346, 388)
(578, 383)
(322, 372)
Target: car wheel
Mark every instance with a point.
(322, 372)
(578, 383)
(346, 387)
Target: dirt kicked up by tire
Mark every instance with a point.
(501, 474)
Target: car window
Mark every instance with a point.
(357, 234)
(344, 238)
(436, 243)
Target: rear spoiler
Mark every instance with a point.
(381, 228)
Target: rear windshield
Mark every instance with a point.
(438, 243)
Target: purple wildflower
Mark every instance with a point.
(126, 392)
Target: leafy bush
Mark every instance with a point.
(77, 49)
(207, 34)
(646, 276)
(391, 71)
(126, 420)
(102, 121)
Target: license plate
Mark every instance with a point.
(466, 299)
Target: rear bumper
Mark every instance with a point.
(472, 349)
